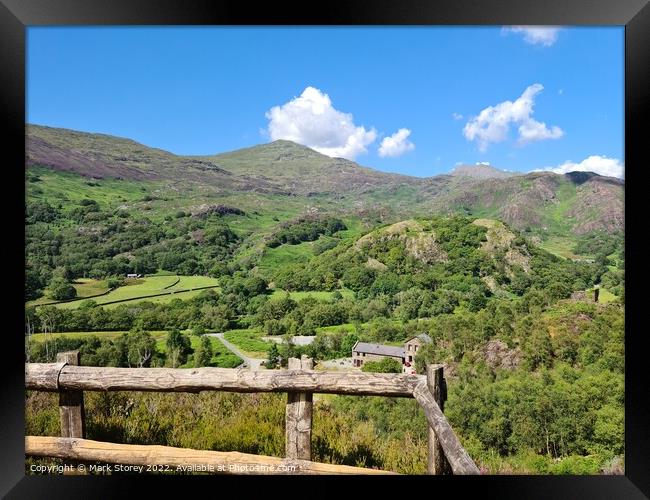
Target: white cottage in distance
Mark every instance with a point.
(364, 351)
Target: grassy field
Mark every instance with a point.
(605, 296)
(138, 289)
(162, 299)
(133, 289)
(355, 228)
(562, 247)
(221, 358)
(43, 301)
(249, 342)
(41, 337)
(85, 287)
(348, 294)
(162, 272)
(128, 195)
(558, 222)
(345, 327)
(190, 282)
(70, 187)
(276, 258)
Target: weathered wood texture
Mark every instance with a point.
(43, 376)
(179, 458)
(299, 414)
(71, 408)
(40, 376)
(301, 382)
(437, 462)
(458, 459)
(71, 403)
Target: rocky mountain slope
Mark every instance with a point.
(542, 202)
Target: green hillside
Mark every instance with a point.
(279, 240)
(263, 178)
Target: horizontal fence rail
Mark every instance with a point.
(54, 377)
(446, 453)
(179, 459)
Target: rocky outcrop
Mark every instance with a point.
(497, 354)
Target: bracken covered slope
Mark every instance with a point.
(543, 202)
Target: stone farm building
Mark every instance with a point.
(364, 351)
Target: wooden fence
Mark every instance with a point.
(300, 381)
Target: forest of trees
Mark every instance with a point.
(535, 376)
(85, 241)
(309, 229)
(550, 399)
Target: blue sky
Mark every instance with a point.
(415, 100)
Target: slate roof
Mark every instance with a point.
(382, 350)
(423, 337)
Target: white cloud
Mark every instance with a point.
(396, 144)
(486, 163)
(601, 165)
(532, 130)
(493, 123)
(312, 121)
(536, 35)
(457, 116)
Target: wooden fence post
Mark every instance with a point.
(71, 406)
(299, 416)
(437, 462)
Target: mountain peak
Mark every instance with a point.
(282, 147)
(288, 143)
(480, 171)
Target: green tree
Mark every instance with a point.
(33, 284)
(273, 356)
(276, 309)
(538, 350)
(387, 283)
(274, 327)
(216, 317)
(609, 429)
(114, 282)
(178, 348)
(427, 354)
(136, 348)
(62, 290)
(204, 352)
(347, 343)
(198, 330)
(358, 277)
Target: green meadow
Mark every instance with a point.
(249, 341)
(138, 289)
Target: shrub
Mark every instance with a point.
(62, 290)
(386, 365)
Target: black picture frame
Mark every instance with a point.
(16, 15)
